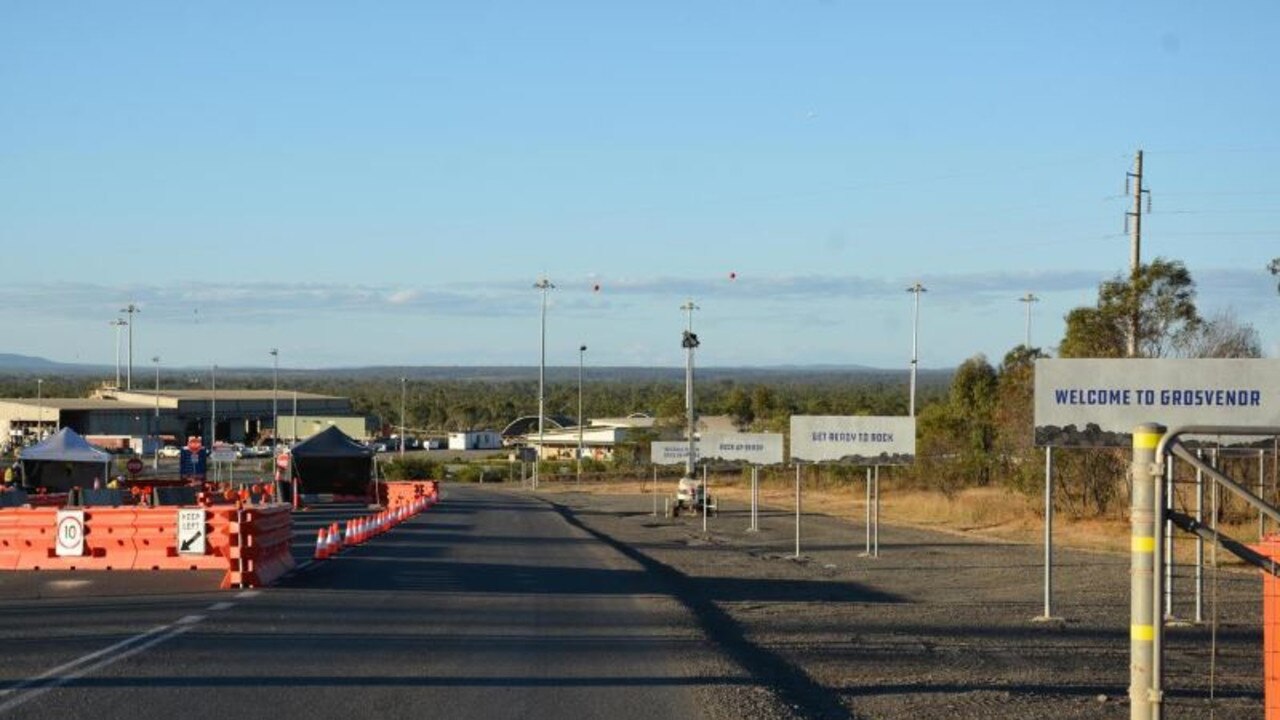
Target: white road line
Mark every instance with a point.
(57, 682)
(87, 658)
(245, 595)
(219, 607)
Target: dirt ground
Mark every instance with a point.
(940, 624)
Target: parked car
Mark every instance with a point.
(170, 451)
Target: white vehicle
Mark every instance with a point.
(170, 451)
(690, 495)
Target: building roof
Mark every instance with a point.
(283, 396)
(76, 404)
(529, 424)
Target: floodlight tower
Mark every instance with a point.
(155, 459)
(689, 343)
(1028, 299)
(275, 391)
(582, 352)
(915, 289)
(117, 324)
(544, 285)
(131, 310)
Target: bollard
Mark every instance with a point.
(1145, 473)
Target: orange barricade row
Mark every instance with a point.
(405, 492)
(260, 553)
(251, 544)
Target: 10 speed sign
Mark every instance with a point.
(70, 533)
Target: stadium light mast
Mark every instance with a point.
(544, 285)
(155, 459)
(1028, 299)
(915, 289)
(275, 407)
(582, 352)
(403, 386)
(132, 310)
(689, 343)
(117, 324)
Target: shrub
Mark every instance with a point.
(411, 468)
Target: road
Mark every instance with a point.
(489, 605)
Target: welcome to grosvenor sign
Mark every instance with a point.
(1097, 403)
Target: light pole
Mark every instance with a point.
(131, 309)
(544, 285)
(1028, 299)
(275, 409)
(117, 324)
(155, 461)
(689, 342)
(915, 289)
(403, 385)
(39, 408)
(213, 407)
(582, 351)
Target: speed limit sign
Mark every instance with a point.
(70, 532)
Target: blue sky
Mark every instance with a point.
(383, 183)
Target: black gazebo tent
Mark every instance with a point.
(331, 462)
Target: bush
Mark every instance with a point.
(411, 468)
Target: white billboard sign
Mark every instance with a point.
(754, 448)
(674, 452)
(862, 440)
(1099, 402)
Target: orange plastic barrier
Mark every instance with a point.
(251, 543)
(1270, 546)
(404, 492)
(260, 551)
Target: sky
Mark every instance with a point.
(383, 183)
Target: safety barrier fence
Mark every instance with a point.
(403, 492)
(250, 543)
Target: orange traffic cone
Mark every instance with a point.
(349, 537)
(322, 545)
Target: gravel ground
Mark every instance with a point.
(939, 625)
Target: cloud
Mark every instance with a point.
(759, 295)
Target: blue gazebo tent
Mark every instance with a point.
(62, 461)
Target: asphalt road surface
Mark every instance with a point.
(489, 605)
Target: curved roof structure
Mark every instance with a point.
(529, 424)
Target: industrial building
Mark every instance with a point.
(236, 416)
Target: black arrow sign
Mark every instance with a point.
(186, 544)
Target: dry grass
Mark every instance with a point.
(982, 512)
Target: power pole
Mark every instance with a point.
(1133, 224)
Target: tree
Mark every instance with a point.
(1013, 418)
(1274, 267)
(1222, 336)
(1161, 296)
(957, 437)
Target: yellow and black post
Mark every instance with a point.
(1143, 616)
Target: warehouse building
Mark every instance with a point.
(118, 418)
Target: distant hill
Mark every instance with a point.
(9, 361)
(24, 364)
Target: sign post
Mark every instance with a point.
(70, 533)
(191, 531)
